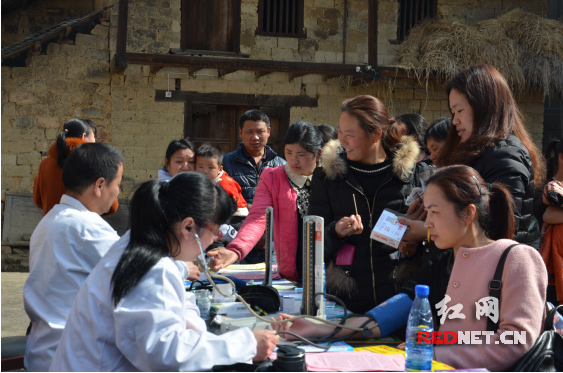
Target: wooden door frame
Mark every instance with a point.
(284, 102)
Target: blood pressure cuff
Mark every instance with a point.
(264, 297)
(392, 314)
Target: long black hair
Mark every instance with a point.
(73, 128)
(155, 208)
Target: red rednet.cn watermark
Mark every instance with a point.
(486, 306)
(474, 337)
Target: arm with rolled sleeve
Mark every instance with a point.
(151, 332)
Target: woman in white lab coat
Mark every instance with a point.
(133, 313)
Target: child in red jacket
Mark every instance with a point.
(209, 161)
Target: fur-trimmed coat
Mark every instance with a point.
(367, 282)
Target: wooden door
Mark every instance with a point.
(211, 25)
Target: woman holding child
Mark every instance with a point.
(287, 189)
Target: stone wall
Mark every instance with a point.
(155, 26)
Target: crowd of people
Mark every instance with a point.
(101, 302)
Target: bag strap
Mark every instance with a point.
(495, 285)
(548, 325)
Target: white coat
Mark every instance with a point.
(64, 248)
(156, 327)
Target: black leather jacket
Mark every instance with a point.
(509, 163)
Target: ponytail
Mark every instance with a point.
(394, 134)
(61, 149)
(73, 128)
(501, 213)
(156, 207)
(149, 238)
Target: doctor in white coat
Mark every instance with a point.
(67, 244)
(133, 313)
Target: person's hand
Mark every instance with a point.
(221, 258)
(416, 210)
(408, 248)
(194, 271)
(348, 226)
(415, 229)
(402, 346)
(303, 327)
(266, 343)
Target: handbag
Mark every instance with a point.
(546, 355)
(345, 256)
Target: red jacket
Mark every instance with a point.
(234, 191)
(273, 190)
(48, 187)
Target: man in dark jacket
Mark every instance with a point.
(249, 160)
(252, 155)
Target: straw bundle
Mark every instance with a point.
(525, 48)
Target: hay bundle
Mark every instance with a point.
(541, 43)
(525, 48)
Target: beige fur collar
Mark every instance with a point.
(404, 159)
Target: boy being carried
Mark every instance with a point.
(209, 161)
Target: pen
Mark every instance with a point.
(355, 206)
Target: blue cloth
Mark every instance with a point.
(392, 314)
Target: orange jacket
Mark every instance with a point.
(48, 187)
(234, 191)
(551, 250)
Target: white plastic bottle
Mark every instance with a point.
(418, 357)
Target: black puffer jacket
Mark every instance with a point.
(245, 173)
(332, 191)
(509, 163)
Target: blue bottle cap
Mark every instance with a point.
(421, 290)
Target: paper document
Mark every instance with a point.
(334, 347)
(386, 350)
(388, 229)
(249, 271)
(354, 361)
(247, 267)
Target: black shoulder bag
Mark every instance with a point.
(546, 355)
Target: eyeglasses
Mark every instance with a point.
(216, 234)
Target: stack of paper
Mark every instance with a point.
(248, 271)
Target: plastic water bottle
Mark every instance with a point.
(418, 357)
(203, 303)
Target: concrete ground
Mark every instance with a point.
(14, 318)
